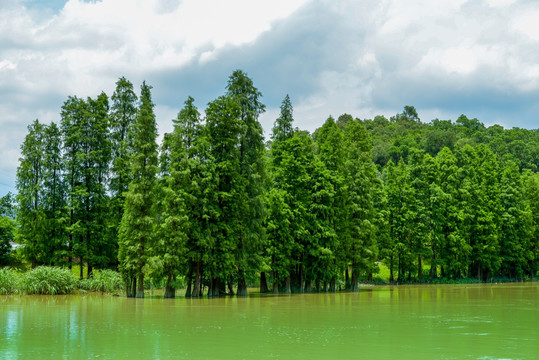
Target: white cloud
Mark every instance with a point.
(87, 43)
(528, 24)
(500, 3)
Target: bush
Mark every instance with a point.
(49, 281)
(104, 281)
(9, 281)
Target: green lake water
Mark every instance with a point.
(498, 321)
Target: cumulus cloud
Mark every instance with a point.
(365, 58)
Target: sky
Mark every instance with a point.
(362, 57)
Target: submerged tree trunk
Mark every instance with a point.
(170, 291)
(230, 288)
(287, 288)
(214, 288)
(332, 285)
(197, 291)
(354, 283)
(196, 288)
(419, 267)
(433, 272)
(140, 288)
(391, 277)
(131, 286)
(300, 276)
(275, 283)
(189, 281)
(399, 269)
(263, 283)
(242, 286)
(308, 287)
(188, 289)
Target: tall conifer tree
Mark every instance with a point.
(137, 228)
(252, 174)
(31, 215)
(123, 112)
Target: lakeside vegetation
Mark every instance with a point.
(218, 207)
(49, 280)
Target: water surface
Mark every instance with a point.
(404, 322)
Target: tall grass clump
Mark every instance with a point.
(104, 281)
(9, 281)
(48, 280)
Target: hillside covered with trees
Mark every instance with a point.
(220, 207)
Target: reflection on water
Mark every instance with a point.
(419, 322)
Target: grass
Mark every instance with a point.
(103, 281)
(49, 280)
(9, 281)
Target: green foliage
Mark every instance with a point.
(46, 280)
(10, 280)
(359, 240)
(432, 202)
(137, 229)
(7, 227)
(104, 281)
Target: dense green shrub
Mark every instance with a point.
(104, 281)
(9, 281)
(49, 281)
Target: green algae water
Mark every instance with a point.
(404, 322)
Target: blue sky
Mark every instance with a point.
(365, 58)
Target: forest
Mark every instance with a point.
(219, 207)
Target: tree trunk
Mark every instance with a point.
(210, 288)
(170, 291)
(287, 288)
(479, 275)
(347, 285)
(300, 277)
(354, 286)
(215, 287)
(325, 286)
(419, 267)
(131, 286)
(81, 266)
(231, 289)
(332, 285)
(308, 287)
(140, 288)
(196, 288)
(90, 273)
(263, 283)
(242, 286)
(189, 281)
(391, 277)
(433, 272)
(221, 286)
(128, 287)
(275, 283)
(399, 269)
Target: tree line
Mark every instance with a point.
(219, 207)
